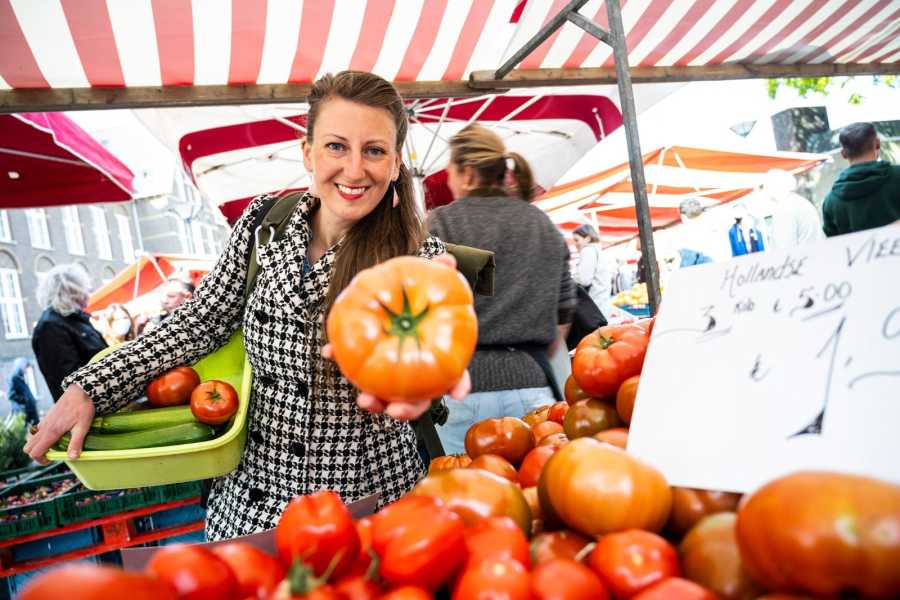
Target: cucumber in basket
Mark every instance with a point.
(138, 420)
(186, 433)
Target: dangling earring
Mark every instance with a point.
(396, 200)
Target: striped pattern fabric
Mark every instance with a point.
(673, 174)
(84, 43)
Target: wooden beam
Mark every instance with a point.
(523, 78)
(64, 99)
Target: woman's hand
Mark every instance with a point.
(73, 412)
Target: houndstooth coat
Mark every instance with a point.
(297, 444)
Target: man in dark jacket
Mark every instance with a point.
(867, 193)
(19, 393)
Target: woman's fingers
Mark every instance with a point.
(406, 411)
(327, 352)
(462, 387)
(77, 442)
(446, 259)
(370, 403)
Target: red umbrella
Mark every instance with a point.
(48, 160)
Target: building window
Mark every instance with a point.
(11, 306)
(122, 223)
(101, 233)
(37, 228)
(183, 236)
(72, 224)
(5, 231)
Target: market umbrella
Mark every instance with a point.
(48, 160)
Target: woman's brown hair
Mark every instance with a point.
(483, 150)
(385, 232)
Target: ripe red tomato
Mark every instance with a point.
(497, 537)
(496, 465)
(450, 461)
(675, 588)
(95, 582)
(572, 392)
(404, 329)
(357, 587)
(557, 544)
(556, 440)
(558, 412)
(407, 592)
(419, 540)
(533, 464)
(607, 357)
(316, 528)
(364, 558)
(258, 574)
(587, 417)
(508, 437)
(633, 560)
(625, 397)
(214, 402)
(564, 579)
(194, 572)
(617, 436)
(493, 578)
(542, 430)
(173, 388)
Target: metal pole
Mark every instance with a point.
(137, 224)
(629, 118)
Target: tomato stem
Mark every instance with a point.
(405, 324)
(605, 342)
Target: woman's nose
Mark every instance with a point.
(353, 166)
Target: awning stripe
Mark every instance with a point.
(860, 14)
(789, 33)
(135, 33)
(212, 41)
(859, 39)
(715, 33)
(314, 27)
(422, 40)
(887, 38)
(587, 43)
(18, 67)
(346, 24)
(536, 58)
(248, 34)
(831, 17)
(448, 34)
(644, 24)
(372, 35)
(175, 40)
(759, 27)
(468, 39)
(681, 29)
(93, 36)
(47, 33)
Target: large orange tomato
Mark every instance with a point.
(450, 461)
(476, 494)
(625, 397)
(607, 357)
(173, 388)
(404, 329)
(596, 488)
(689, 505)
(508, 437)
(572, 392)
(496, 465)
(587, 417)
(823, 533)
(710, 557)
(94, 582)
(214, 402)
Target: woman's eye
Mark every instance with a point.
(334, 146)
(375, 151)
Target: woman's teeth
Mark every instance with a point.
(351, 191)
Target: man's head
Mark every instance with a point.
(859, 143)
(176, 292)
(690, 209)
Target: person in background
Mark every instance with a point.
(19, 394)
(64, 339)
(175, 292)
(121, 325)
(867, 193)
(593, 272)
(695, 233)
(534, 301)
(795, 221)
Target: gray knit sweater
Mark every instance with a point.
(533, 288)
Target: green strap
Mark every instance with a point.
(268, 226)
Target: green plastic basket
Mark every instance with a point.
(25, 519)
(117, 469)
(92, 504)
(175, 491)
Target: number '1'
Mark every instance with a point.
(815, 426)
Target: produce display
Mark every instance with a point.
(636, 296)
(553, 507)
(42, 492)
(181, 410)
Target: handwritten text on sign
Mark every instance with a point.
(775, 362)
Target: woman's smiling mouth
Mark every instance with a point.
(350, 193)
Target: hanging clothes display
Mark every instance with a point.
(736, 238)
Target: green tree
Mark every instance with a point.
(822, 85)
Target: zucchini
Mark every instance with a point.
(186, 433)
(152, 418)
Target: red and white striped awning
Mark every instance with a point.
(130, 43)
(673, 174)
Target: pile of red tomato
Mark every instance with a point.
(212, 402)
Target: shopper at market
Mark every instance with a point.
(174, 293)
(19, 394)
(120, 325)
(535, 296)
(593, 272)
(64, 338)
(306, 432)
(867, 193)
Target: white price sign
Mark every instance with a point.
(774, 362)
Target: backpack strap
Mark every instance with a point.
(268, 226)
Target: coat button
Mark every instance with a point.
(304, 390)
(256, 437)
(298, 449)
(266, 380)
(255, 494)
(261, 316)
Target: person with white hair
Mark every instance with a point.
(64, 339)
(795, 221)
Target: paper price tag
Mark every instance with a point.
(775, 362)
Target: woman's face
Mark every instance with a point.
(352, 159)
(580, 240)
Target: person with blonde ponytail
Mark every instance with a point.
(308, 428)
(534, 300)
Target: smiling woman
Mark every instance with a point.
(308, 427)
